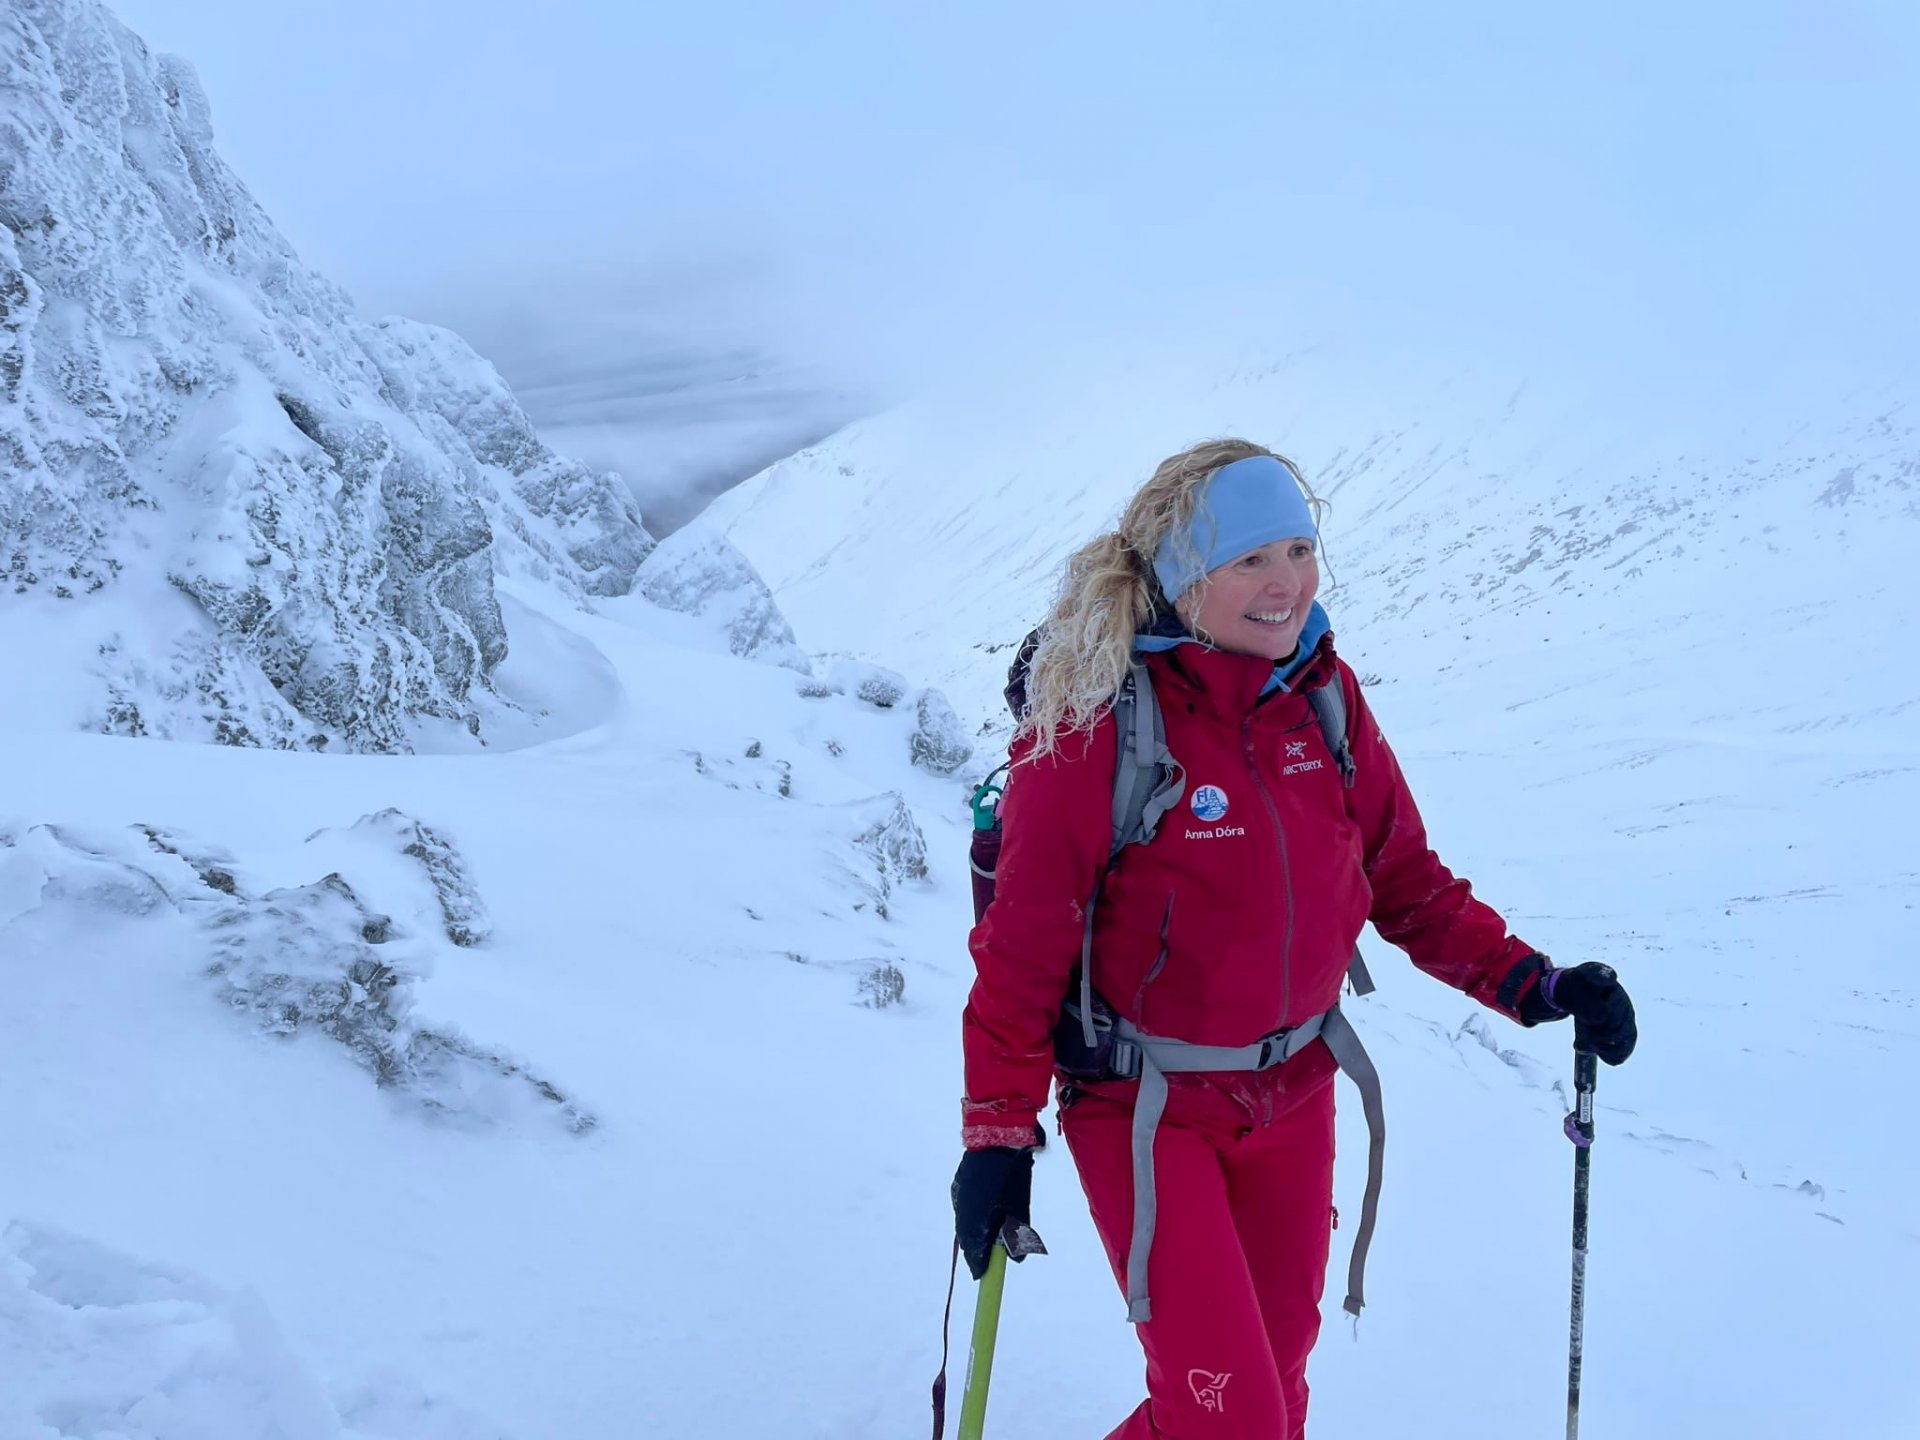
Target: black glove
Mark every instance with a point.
(992, 1191)
(1591, 993)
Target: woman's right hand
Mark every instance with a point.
(992, 1191)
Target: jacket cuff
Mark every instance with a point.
(983, 1126)
(1519, 992)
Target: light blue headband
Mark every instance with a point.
(1242, 506)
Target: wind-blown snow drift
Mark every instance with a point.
(230, 508)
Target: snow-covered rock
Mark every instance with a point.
(892, 842)
(939, 741)
(440, 876)
(279, 523)
(872, 684)
(882, 985)
(317, 958)
(697, 573)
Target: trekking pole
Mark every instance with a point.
(1579, 1127)
(986, 1329)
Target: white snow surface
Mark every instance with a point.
(605, 1081)
(1651, 678)
(672, 1157)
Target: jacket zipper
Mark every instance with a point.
(1160, 960)
(1286, 870)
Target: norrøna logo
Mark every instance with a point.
(1209, 1389)
(1210, 803)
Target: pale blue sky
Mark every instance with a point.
(1732, 188)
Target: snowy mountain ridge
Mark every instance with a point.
(231, 508)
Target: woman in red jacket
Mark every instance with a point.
(1230, 928)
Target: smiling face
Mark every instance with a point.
(1256, 603)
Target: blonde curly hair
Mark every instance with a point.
(1109, 594)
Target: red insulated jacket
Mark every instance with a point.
(1240, 916)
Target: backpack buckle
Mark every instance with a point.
(1275, 1049)
(1125, 1060)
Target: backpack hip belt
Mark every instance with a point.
(1152, 1058)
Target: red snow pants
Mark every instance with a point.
(1243, 1167)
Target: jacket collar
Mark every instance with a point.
(1233, 683)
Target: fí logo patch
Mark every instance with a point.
(1210, 803)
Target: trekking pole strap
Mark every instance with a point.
(946, 1325)
(1160, 1057)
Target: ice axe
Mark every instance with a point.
(1021, 1240)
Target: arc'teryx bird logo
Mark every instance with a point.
(1210, 1390)
(1296, 749)
(1210, 803)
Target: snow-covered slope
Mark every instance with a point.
(1652, 677)
(455, 1086)
(230, 508)
(604, 1082)
(1470, 512)
(617, 1091)
(608, 1085)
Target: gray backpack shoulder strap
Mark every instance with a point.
(1147, 783)
(1147, 780)
(1359, 978)
(1329, 703)
(1330, 709)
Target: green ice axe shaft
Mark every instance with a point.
(986, 1329)
(1017, 1241)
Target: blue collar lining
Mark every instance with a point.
(1169, 632)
